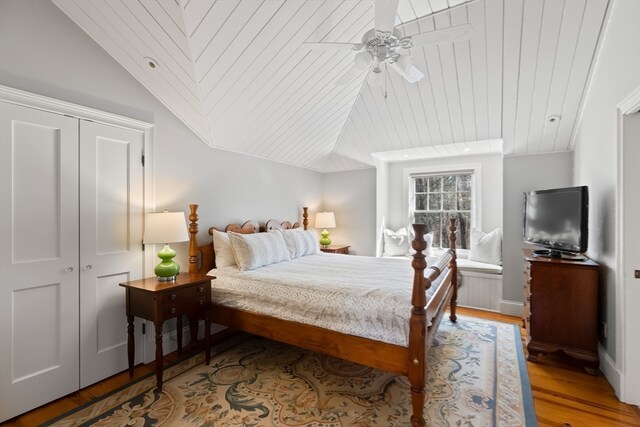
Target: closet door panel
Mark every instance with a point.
(38, 258)
(111, 218)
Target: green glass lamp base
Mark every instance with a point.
(168, 269)
(325, 240)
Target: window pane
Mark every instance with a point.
(435, 202)
(464, 182)
(420, 218)
(464, 201)
(449, 202)
(421, 185)
(421, 202)
(433, 224)
(463, 225)
(449, 183)
(435, 184)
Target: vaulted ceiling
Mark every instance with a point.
(237, 73)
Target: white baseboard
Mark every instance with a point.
(610, 371)
(511, 308)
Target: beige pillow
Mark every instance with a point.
(255, 250)
(300, 242)
(223, 250)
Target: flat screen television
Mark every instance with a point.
(557, 219)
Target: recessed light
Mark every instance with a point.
(553, 119)
(152, 63)
(467, 149)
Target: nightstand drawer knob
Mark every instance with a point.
(173, 297)
(173, 310)
(201, 289)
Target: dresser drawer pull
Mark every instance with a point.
(173, 297)
(201, 289)
(173, 310)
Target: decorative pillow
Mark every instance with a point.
(486, 247)
(223, 250)
(300, 242)
(395, 242)
(255, 250)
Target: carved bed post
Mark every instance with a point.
(417, 327)
(193, 240)
(454, 268)
(305, 217)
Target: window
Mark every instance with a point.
(436, 198)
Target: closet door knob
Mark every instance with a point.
(68, 269)
(87, 267)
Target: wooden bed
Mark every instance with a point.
(425, 315)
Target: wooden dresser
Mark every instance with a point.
(561, 308)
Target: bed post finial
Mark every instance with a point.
(417, 327)
(453, 265)
(305, 217)
(193, 240)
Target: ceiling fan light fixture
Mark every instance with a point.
(363, 60)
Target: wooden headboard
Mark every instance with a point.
(203, 258)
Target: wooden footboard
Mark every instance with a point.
(423, 324)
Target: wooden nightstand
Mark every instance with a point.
(336, 249)
(189, 294)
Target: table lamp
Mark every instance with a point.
(166, 227)
(325, 220)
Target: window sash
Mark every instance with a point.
(433, 204)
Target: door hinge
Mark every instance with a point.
(142, 243)
(142, 159)
(144, 328)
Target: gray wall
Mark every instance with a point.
(43, 51)
(521, 174)
(352, 197)
(616, 75)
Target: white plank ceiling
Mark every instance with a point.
(235, 72)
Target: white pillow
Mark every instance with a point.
(395, 242)
(223, 250)
(255, 250)
(300, 242)
(486, 247)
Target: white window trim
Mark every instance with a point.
(476, 168)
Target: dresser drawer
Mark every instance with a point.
(185, 300)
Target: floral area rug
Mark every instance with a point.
(476, 377)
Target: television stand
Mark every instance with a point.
(561, 309)
(551, 253)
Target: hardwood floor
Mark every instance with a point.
(563, 393)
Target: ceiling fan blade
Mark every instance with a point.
(453, 34)
(413, 75)
(351, 74)
(339, 46)
(386, 11)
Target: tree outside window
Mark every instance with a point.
(436, 198)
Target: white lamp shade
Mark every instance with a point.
(363, 60)
(165, 227)
(325, 220)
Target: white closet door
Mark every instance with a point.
(38, 258)
(111, 218)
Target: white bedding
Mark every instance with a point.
(356, 295)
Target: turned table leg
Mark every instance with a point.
(131, 345)
(159, 356)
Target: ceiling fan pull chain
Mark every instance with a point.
(386, 76)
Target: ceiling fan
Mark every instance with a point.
(384, 46)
